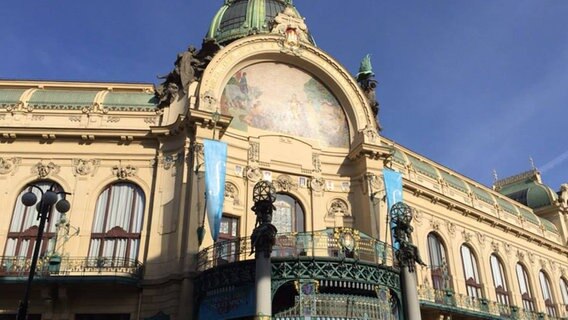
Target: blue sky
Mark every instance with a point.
(473, 85)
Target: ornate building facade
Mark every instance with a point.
(136, 243)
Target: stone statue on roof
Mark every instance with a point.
(188, 67)
(366, 79)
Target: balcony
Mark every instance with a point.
(350, 273)
(472, 308)
(16, 269)
(332, 243)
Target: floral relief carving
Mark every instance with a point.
(8, 165)
(44, 170)
(317, 184)
(83, 167)
(435, 224)
(481, 237)
(168, 161)
(124, 172)
(508, 248)
(520, 255)
(338, 207)
(253, 173)
(95, 108)
(451, 228)
(316, 162)
(495, 246)
(232, 192)
(532, 257)
(254, 152)
(467, 236)
(418, 217)
(285, 183)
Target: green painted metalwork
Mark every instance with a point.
(10, 97)
(339, 306)
(454, 181)
(317, 244)
(482, 195)
(130, 101)
(423, 167)
(62, 99)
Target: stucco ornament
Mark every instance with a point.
(316, 162)
(481, 239)
(44, 170)
(253, 172)
(232, 192)
(293, 28)
(467, 236)
(451, 228)
(8, 165)
(170, 160)
(495, 246)
(95, 108)
(124, 172)
(338, 208)
(317, 184)
(83, 167)
(285, 183)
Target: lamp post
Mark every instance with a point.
(263, 237)
(407, 256)
(44, 206)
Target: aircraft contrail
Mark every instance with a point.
(554, 162)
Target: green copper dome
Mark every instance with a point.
(528, 189)
(240, 18)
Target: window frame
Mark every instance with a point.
(439, 273)
(546, 291)
(28, 215)
(502, 293)
(526, 297)
(473, 282)
(118, 233)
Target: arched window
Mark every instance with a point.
(547, 294)
(499, 281)
(564, 292)
(117, 224)
(24, 226)
(469, 263)
(438, 263)
(524, 286)
(289, 215)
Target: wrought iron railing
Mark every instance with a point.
(324, 243)
(338, 306)
(71, 266)
(465, 303)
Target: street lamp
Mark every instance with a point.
(44, 206)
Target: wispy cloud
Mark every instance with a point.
(554, 162)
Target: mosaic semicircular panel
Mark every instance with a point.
(284, 99)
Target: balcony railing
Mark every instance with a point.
(324, 243)
(71, 266)
(486, 309)
(339, 306)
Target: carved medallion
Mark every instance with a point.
(317, 184)
(338, 208)
(124, 172)
(83, 167)
(231, 192)
(285, 183)
(253, 173)
(8, 165)
(44, 170)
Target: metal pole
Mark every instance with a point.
(23, 308)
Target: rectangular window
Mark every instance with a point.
(226, 248)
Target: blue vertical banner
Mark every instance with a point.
(393, 189)
(393, 186)
(215, 167)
